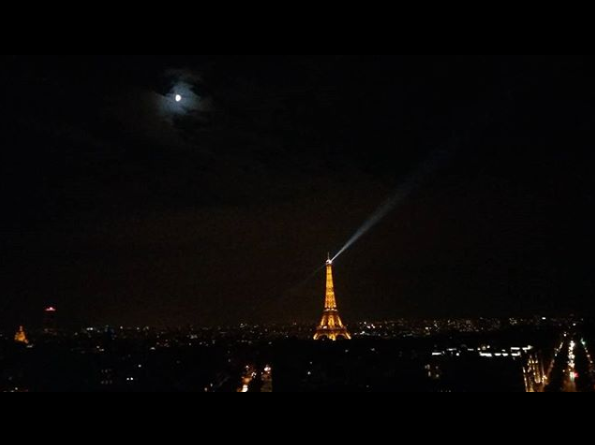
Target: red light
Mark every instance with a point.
(51, 309)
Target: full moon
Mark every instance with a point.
(178, 98)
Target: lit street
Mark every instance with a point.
(572, 369)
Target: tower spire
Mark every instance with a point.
(331, 327)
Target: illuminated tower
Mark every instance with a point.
(331, 327)
(49, 321)
(21, 337)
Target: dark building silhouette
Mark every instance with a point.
(50, 325)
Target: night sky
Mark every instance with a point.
(123, 206)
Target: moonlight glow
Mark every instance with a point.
(178, 98)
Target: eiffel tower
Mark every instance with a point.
(331, 327)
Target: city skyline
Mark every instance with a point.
(517, 355)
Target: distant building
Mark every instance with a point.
(50, 326)
(21, 336)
